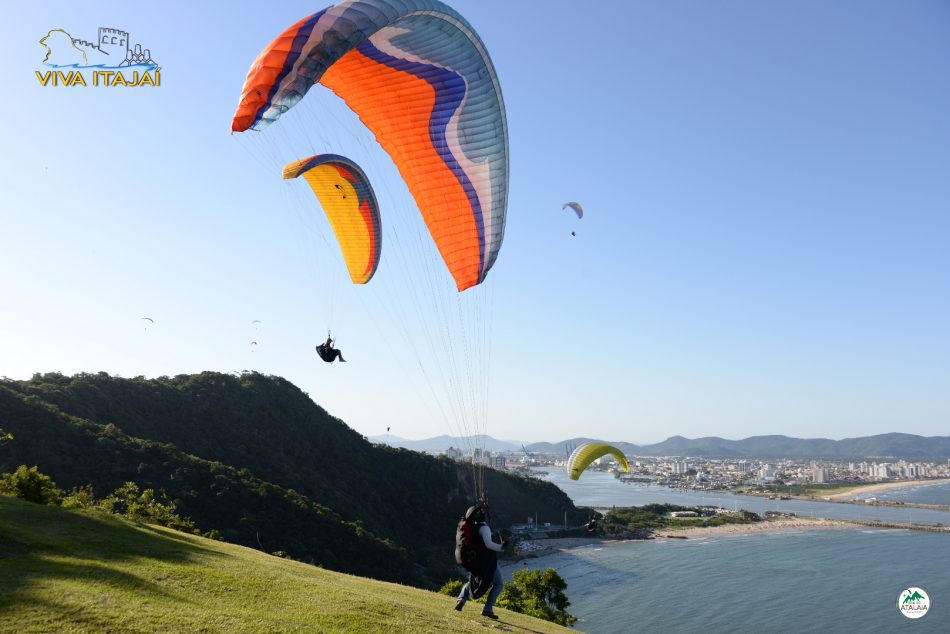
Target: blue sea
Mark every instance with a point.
(602, 490)
(843, 580)
(922, 493)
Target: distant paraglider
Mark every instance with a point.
(328, 353)
(149, 321)
(576, 206)
(256, 326)
(588, 452)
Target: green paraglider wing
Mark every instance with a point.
(588, 452)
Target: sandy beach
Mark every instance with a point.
(885, 486)
(777, 524)
(543, 547)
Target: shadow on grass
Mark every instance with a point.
(70, 618)
(40, 543)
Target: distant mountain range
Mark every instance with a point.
(441, 443)
(882, 446)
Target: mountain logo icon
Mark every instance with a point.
(917, 596)
(913, 603)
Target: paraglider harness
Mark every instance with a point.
(591, 524)
(326, 350)
(468, 542)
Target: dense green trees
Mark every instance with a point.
(254, 457)
(640, 521)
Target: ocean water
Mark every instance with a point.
(602, 490)
(922, 493)
(807, 581)
(842, 580)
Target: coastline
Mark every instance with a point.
(776, 524)
(885, 486)
(538, 548)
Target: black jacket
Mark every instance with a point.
(486, 561)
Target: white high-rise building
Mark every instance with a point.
(680, 468)
(820, 475)
(881, 470)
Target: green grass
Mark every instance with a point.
(84, 571)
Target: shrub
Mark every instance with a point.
(538, 594)
(141, 506)
(31, 485)
(452, 588)
(80, 498)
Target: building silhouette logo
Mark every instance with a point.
(112, 60)
(913, 603)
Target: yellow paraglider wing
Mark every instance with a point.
(421, 80)
(587, 453)
(350, 205)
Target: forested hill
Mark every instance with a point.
(255, 458)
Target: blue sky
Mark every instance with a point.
(764, 249)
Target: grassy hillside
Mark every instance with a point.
(253, 457)
(73, 571)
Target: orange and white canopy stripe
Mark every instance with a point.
(422, 81)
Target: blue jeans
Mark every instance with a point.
(497, 583)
